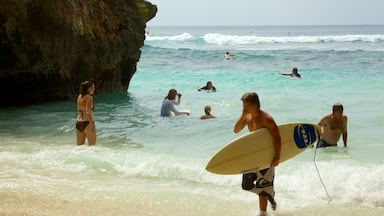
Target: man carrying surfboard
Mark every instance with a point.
(260, 182)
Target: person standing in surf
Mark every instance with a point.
(85, 123)
(333, 126)
(260, 182)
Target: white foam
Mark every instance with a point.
(179, 37)
(222, 39)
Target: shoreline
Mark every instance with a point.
(169, 203)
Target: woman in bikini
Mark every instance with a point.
(85, 124)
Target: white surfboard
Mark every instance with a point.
(188, 111)
(255, 150)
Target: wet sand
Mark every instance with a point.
(95, 203)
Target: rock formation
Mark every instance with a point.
(47, 47)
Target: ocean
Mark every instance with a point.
(144, 164)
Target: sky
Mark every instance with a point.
(267, 12)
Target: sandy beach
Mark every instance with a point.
(136, 203)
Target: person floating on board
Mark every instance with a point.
(294, 73)
(208, 87)
(260, 182)
(333, 126)
(228, 56)
(169, 101)
(207, 115)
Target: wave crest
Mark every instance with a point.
(179, 37)
(221, 39)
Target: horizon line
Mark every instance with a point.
(266, 25)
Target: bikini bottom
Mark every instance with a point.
(81, 125)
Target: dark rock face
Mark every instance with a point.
(47, 47)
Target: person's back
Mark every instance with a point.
(166, 108)
(207, 111)
(85, 124)
(82, 103)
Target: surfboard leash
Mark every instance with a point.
(321, 180)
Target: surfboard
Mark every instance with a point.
(185, 110)
(255, 150)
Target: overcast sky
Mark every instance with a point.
(267, 12)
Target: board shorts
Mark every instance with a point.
(260, 182)
(322, 144)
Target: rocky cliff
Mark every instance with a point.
(47, 47)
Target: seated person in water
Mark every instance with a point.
(333, 126)
(208, 115)
(208, 87)
(169, 101)
(293, 74)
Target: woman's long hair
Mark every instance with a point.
(171, 94)
(84, 87)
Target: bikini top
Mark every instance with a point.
(82, 112)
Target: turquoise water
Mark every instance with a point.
(144, 164)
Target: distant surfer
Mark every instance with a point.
(294, 73)
(260, 182)
(228, 56)
(207, 115)
(169, 101)
(333, 126)
(208, 87)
